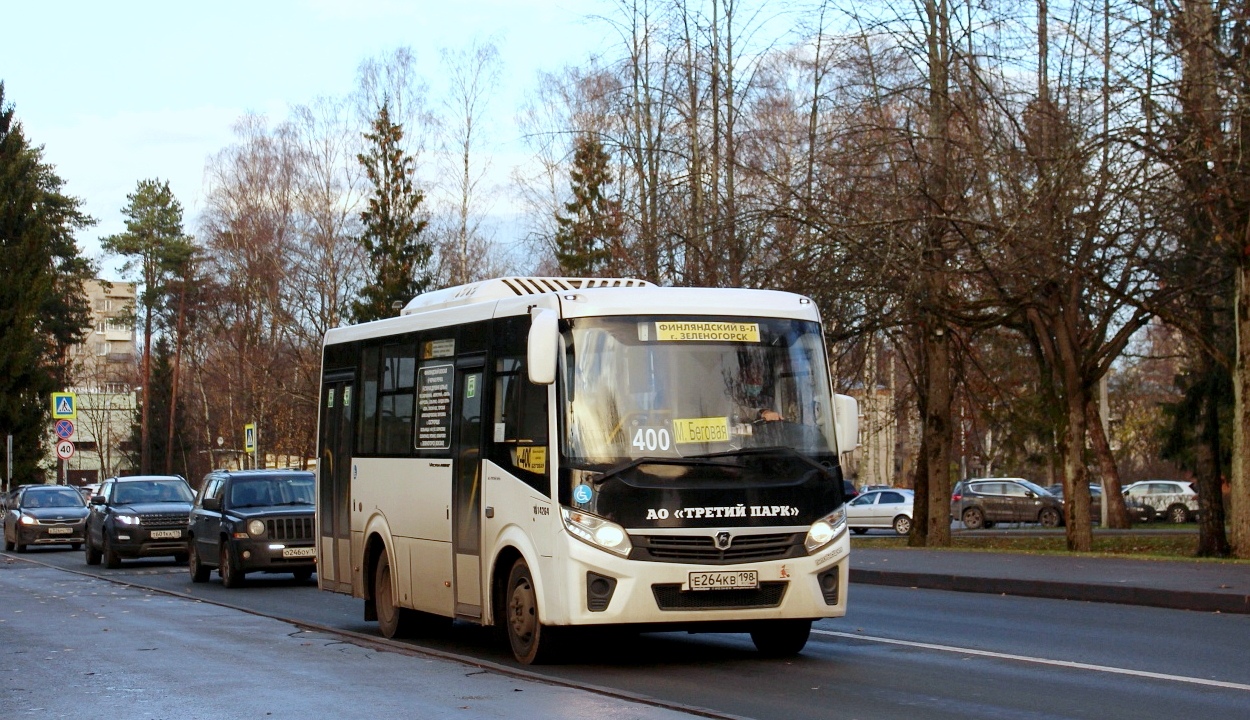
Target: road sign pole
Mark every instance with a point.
(8, 477)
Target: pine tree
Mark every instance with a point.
(392, 224)
(43, 308)
(593, 224)
(155, 246)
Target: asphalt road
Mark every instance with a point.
(900, 653)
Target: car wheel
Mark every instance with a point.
(231, 573)
(19, 546)
(199, 571)
(859, 531)
(532, 642)
(112, 560)
(781, 638)
(1178, 514)
(393, 620)
(1048, 517)
(902, 524)
(8, 546)
(974, 519)
(93, 555)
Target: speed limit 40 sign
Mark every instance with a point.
(65, 449)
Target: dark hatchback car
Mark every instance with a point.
(139, 516)
(981, 502)
(253, 521)
(44, 515)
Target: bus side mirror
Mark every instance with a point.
(846, 421)
(544, 343)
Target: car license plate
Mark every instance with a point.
(299, 552)
(60, 531)
(163, 534)
(736, 580)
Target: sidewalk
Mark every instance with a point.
(1202, 586)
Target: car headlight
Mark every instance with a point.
(256, 528)
(594, 530)
(825, 530)
(28, 520)
(127, 519)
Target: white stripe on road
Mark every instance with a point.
(1038, 661)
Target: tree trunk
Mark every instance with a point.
(173, 389)
(937, 435)
(145, 445)
(1212, 539)
(1117, 513)
(1239, 483)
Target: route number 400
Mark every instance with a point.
(651, 439)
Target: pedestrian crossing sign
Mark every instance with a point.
(249, 438)
(64, 406)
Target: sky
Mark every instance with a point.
(118, 92)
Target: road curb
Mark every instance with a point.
(1149, 597)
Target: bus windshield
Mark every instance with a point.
(672, 388)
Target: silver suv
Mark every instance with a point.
(1172, 500)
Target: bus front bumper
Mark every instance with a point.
(607, 589)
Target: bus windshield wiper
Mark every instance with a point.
(768, 450)
(697, 461)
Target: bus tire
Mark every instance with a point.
(393, 620)
(781, 638)
(532, 642)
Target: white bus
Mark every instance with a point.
(546, 453)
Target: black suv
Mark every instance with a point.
(253, 520)
(981, 502)
(139, 516)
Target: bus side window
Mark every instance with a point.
(519, 437)
(367, 439)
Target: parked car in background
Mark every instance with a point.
(890, 509)
(88, 490)
(1173, 500)
(139, 516)
(1137, 512)
(44, 515)
(981, 502)
(253, 521)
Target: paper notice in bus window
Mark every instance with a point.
(533, 458)
(700, 430)
(707, 331)
(438, 349)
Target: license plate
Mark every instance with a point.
(60, 531)
(737, 580)
(164, 534)
(299, 552)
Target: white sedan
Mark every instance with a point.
(881, 509)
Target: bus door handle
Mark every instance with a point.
(490, 512)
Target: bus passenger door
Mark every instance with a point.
(467, 494)
(334, 484)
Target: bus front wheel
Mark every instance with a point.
(781, 638)
(531, 641)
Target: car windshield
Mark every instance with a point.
(52, 498)
(273, 490)
(636, 387)
(1034, 487)
(151, 491)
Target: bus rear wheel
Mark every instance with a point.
(393, 620)
(781, 638)
(532, 642)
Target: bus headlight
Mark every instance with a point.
(826, 530)
(594, 530)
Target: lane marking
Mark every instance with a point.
(1038, 661)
